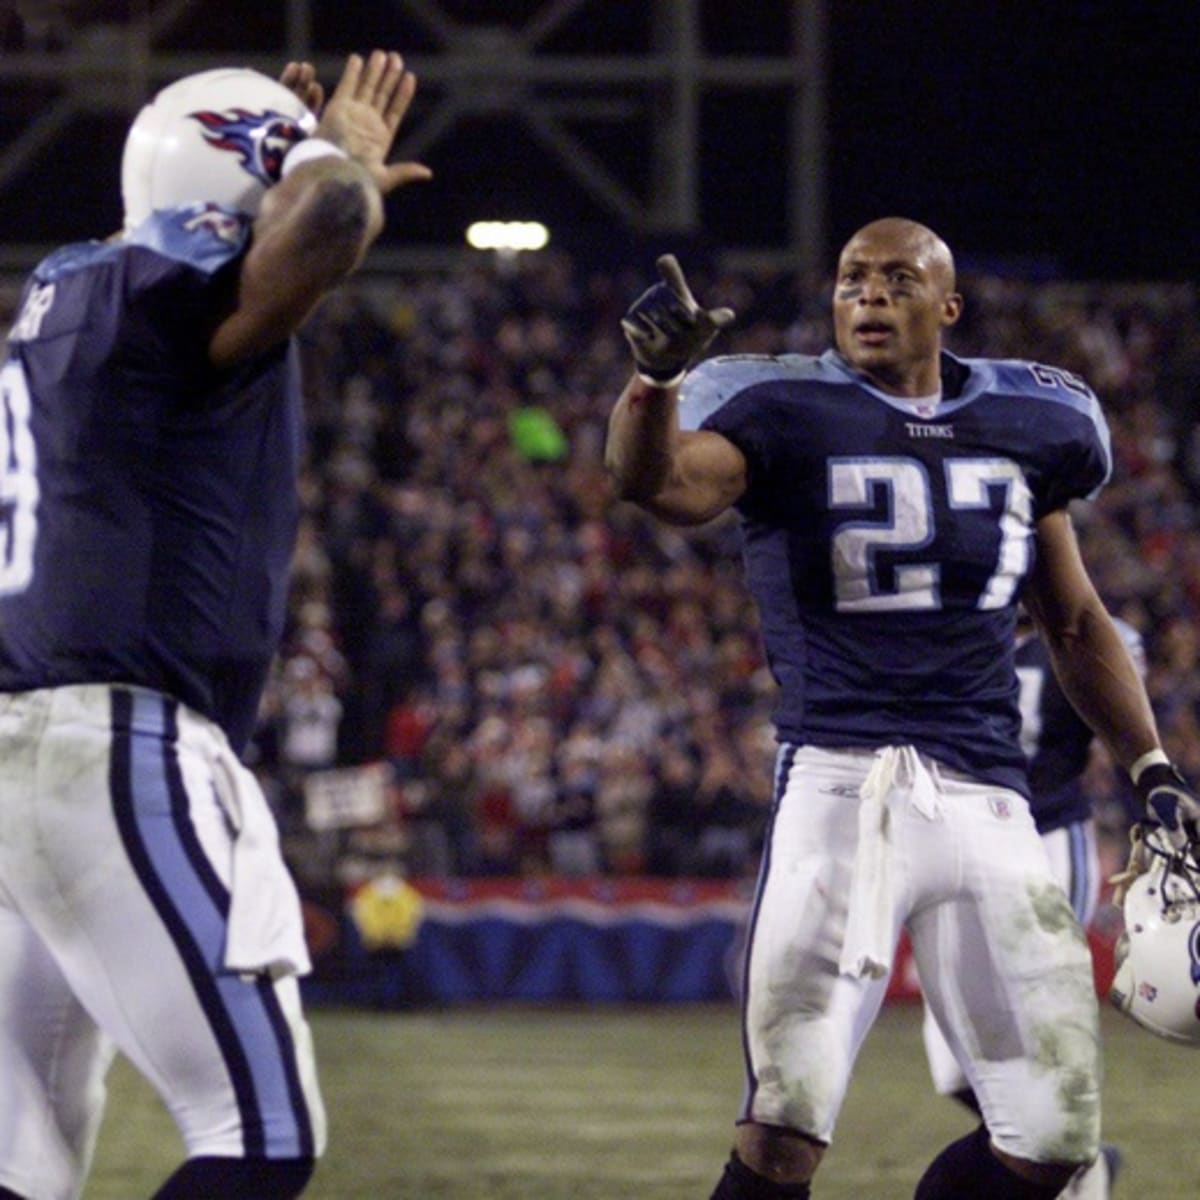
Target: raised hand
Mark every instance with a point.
(666, 328)
(364, 113)
(300, 78)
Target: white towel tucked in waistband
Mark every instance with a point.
(266, 928)
(868, 947)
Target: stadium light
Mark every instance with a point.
(507, 237)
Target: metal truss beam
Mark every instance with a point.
(494, 70)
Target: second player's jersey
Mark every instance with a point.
(1054, 737)
(886, 545)
(148, 502)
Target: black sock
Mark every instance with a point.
(739, 1182)
(205, 1178)
(969, 1168)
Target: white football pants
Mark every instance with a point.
(865, 843)
(118, 841)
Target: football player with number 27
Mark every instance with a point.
(149, 450)
(896, 503)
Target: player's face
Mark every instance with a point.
(892, 300)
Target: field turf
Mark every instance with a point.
(628, 1104)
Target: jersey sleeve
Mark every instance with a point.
(181, 269)
(730, 396)
(1077, 435)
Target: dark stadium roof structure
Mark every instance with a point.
(1053, 138)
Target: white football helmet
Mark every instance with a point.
(1157, 980)
(217, 136)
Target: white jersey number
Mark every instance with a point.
(909, 524)
(18, 482)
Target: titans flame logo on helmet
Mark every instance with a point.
(261, 138)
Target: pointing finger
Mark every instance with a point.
(672, 275)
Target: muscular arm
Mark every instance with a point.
(313, 230)
(1090, 658)
(316, 224)
(683, 478)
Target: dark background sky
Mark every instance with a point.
(1052, 136)
(1060, 131)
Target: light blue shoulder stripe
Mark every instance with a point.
(1057, 386)
(717, 380)
(204, 236)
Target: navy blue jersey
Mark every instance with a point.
(147, 502)
(1054, 737)
(886, 545)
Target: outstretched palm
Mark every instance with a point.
(364, 114)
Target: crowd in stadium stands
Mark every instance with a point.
(560, 684)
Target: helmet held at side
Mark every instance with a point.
(1157, 980)
(217, 136)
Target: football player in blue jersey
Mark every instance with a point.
(1057, 745)
(895, 503)
(148, 455)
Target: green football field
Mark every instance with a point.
(628, 1104)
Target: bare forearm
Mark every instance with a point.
(1100, 679)
(641, 433)
(313, 230)
(333, 213)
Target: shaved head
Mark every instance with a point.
(913, 239)
(893, 300)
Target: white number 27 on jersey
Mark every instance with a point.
(909, 524)
(18, 482)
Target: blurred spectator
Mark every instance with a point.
(309, 717)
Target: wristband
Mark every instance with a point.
(307, 150)
(1151, 758)
(664, 384)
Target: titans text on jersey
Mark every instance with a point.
(118, 436)
(886, 550)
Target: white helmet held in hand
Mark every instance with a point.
(217, 136)
(1157, 981)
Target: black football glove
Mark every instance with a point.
(1170, 804)
(667, 330)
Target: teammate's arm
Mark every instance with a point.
(1101, 678)
(316, 224)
